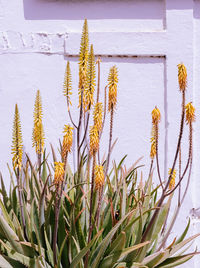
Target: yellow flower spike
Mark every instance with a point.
(153, 143)
(112, 85)
(91, 83)
(67, 86)
(94, 140)
(182, 77)
(17, 145)
(67, 140)
(83, 62)
(155, 115)
(98, 115)
(38, 131)
(190, 113)
(98, 177)
(59, 172)
(172, 182)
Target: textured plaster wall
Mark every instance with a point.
(146, 39)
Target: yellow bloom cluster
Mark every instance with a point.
(94, 140)
(91, 83)
(153, 143)
(98, 176)
(17, 145)
(83, 62)
(172, 181)
(59, 172)
(190, 113)
(67, 140)
(182, 76)
(112, 85)
(155, 116)
(67, 87)
(98, 115)
(38, 132)
(154, 136)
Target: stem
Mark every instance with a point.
(20, 202)
(70, 116)
(110, 140)
(169, 230)
(151, 167)
(170, 176)
(59, 191)
(179, 139)
(86, 128)
(104, 116)
(108, 160)
(179, 175)
(39, 163)
(90, 215)
(98, 206)
(91, 199)
(189, 163)
(78, 131)
(55, 234)
(157, 161)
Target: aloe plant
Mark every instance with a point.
(100, 215)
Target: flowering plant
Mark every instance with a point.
(100, 215)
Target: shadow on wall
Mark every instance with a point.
(93, 9)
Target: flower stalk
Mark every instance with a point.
(58, 180)
(38, 131)
(67, 142)
(182, 78)
(17, 151)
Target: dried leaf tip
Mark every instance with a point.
(173, 178)
(38, 131)
(67, 86)
(182, 76)
(94, 140)
(190, 113)
(67, 141)
(155, 116)
(112, 85)
(59, 172)
(99, 177)
(83, 62)
(98, 115)
(91, 83)
(17, 144)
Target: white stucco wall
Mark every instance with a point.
(146, 39)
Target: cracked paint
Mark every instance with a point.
(41, 42)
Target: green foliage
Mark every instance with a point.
(53, 217)
(116, 240)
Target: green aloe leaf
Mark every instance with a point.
(184, 233)
(44, 167)
(83, 252)
(175, 261)
(7, 262)
(4, 263)
(11, 236)
(160, 257)
(99, 252)
(42, 204)
(29, 262)
(111, 260)
(49, 249)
